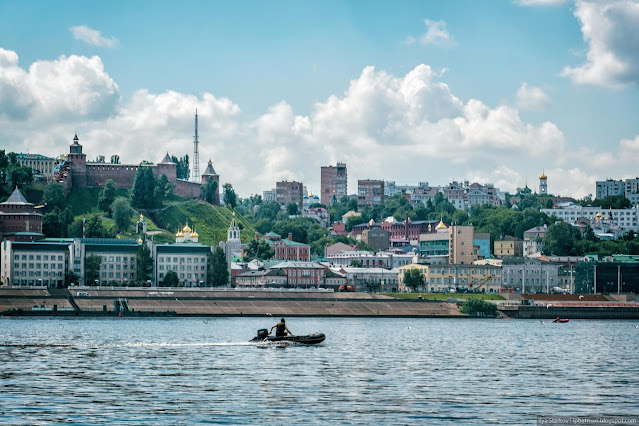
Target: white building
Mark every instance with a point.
(35, 263)
(371, 259)
(626, 219)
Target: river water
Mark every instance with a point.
(368, 371)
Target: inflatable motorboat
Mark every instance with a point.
(311, 339)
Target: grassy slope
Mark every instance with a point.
(85, 200)
(444, 296)
(211, 222)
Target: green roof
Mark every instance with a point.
(39, 246)
(182, 248)
(272, 234)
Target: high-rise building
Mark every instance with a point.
(370, 192)
(610, 187)
(196, 154)
(290, 192)
(461, 246)
(333, 183)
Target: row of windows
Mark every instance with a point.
(188, 275)
(117, 266)
(117, 275)
(175, 267)
(181, 259)
(44, 257)
(39, 266)
(38, 274)
(304, 273)
(124, 259)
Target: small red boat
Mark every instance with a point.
(561, 320)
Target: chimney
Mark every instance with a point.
(257, 236)
(290, 236)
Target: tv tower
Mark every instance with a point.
(196, 154)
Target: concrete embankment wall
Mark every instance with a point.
(230, 303)
(573, 312)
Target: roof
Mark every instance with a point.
(16, 197)
(509, 238)
(263, 273)
(312, 265)
(39, 246)
(167, 159)
(209, 169)
(537, 229)
(272, 234)
(182, 247)
(286, 242)
(108, 241)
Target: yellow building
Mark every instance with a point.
(402, 269)
(482, 278)
(509, 246)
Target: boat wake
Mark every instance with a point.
(123, 345)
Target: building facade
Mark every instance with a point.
(370, 192)
(462, 250)
(290, 192)
(334, 183)
(39, 164)
(626, 219)
(530, 276)
(509, 246)
(35, 263)
(188, 260)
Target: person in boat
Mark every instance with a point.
(281, 329)
(556, 319)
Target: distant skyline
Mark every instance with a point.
(493, 92)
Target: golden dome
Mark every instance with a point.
(195, 234)
(186, 228)
(140, 241)
(141, 217)
(179, 233)
(441, 225)
(543, 175)
(598, 215)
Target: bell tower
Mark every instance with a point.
(543, 184)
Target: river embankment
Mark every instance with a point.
(207, 302)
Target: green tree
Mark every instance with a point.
(143, 194)
(413, 279)
(71, 277)
(143, 264)
(115, 159)
(292, 209)
(165, 186)
(258, 249)
(561, 239)
(356, 263)
(122, 213)
(171, 279)
(56, 222)
(612, 202)
(182, 170)
(208, 191)
(230, 198)
(218, 269)
(92, 269)
(263, 225)
(96, 229)
(478, 307)
(20, 176)
(268, 210)
(354, 220)
(53, 196)
(107, 196)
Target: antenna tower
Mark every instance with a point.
(196, 154)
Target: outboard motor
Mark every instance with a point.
(262, 333)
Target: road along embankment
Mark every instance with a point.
(181, 302)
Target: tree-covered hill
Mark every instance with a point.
(211, 222)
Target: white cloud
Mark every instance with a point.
(74, 86)
(408, 41)
(436, 33)
(539, 2)
(610, 29)
(406, 128)
(93, 37)
(531, 97)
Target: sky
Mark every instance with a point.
(412, 91)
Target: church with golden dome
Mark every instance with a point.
(186, 235)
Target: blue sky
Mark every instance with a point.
(509, 89)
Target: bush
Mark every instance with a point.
(476, 307)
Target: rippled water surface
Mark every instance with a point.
(384, 371)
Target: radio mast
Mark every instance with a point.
(196, 154)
